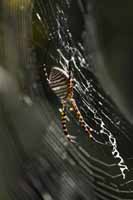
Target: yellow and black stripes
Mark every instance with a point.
(62, 85)
(58, 81)
(70, 89)
(80, 118)
(63, 122)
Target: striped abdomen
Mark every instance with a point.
(58, 80)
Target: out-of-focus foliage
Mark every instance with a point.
(17, 4)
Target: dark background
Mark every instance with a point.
(36, 162)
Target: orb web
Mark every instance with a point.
(99, 111)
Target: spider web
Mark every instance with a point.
(84, 86)
(92, 169)
(101, 114)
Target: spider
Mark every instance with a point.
(61, 83)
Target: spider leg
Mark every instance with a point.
(46, 74)
(80, 118)
(63, 122)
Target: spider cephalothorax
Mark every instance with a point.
(61, 83)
